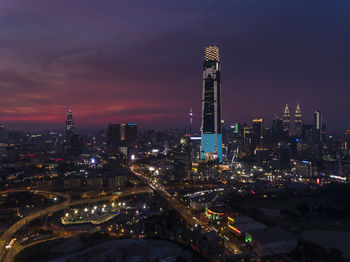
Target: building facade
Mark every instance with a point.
(318, 125)
(211, 146)
(257, 132)
(69, 125)
(286, 120)
(113, 139)
(298, 124)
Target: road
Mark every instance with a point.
(190, 218)
(8, 235)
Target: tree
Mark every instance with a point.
(255, 213)
(335, 254)
(304, 207)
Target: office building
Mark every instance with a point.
(298, 125)
(318, 125)
(303, 168)
(129, 134)
(211, 147)
(69, 125)
(182, 159)
(286, 120)
(257, 132)
(113, 138)
(248, 140)
(284, 152)
(277, 129)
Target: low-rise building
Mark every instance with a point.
(240, 225)
(210, 245)
(271, 241)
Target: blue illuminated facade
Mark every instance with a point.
(211, 147)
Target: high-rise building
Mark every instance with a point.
(277, 128)
(182, 159)
(308, 133)
(2, 132)
(248, 140)
(298, 125)
(129, 134)
(286, 120)
(257, 132)
(318, 125)
(347, 143)
(69, 124)
(113, 138)
(211, 146)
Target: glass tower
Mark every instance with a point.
(298, 125)
(211, 147)
(318, 125)
(69, 124)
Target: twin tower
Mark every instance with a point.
(298, 125)
(211, 129)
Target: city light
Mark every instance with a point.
(189, 181)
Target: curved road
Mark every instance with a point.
(8, 234)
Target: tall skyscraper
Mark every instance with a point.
(113, 138)
(211, 146)
(129, 134)
(2, 132)
(69, 124)
(286, 120)
(257, 132)
(318, 125)
(248, 140)
(277, 128)
(298, 124)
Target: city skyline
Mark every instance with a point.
(100, 69)
(210, 130)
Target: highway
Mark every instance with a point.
(9, 233)
(190, 218)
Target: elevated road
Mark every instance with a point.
(9, 233)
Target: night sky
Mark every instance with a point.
(141, 61)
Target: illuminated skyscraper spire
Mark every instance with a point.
(191, 115)
(211, 146)
(286, 120)
(69, 124)
(298, 122)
